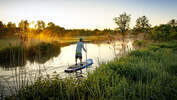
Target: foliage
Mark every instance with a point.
(142, 24)
(40, 25)
(43, 52)
(54, 30)
(161, 33)
(11, 25)
(8, 29)
(50, 30)
(1, 25)
(123, 22)
(172, 22)
(24, 25)
(140, 43)
(50, 24)
(14, 56)
(145, 74)
(164, 32)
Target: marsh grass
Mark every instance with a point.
(12, 56)
(15, 57)
(2, 91)
(144, 74)
(140, 43)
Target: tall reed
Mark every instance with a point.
(144, 74)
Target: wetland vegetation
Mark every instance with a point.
(148, 73)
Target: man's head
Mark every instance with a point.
(81, 39)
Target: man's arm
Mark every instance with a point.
(84, 48)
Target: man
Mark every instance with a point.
(79, 48)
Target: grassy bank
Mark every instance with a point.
(18, 55)
(15, 41)
(145, 74)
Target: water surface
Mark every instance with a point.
(102, 52)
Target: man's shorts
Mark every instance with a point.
(78, 55)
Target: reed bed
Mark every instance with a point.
(146, 74)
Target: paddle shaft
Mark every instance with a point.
(86, 51)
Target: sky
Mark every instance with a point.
(87, 14)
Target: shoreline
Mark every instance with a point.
(117, 75)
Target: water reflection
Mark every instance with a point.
(43, 52)
(12, 57)
(18, 56)
(56, 58)
(45, 59)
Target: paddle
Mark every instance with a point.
(86, 51)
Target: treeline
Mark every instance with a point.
(49, 28)
(163, 32)
(8, 28)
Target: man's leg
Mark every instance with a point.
(76, 59)
(80, 61)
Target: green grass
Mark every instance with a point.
(145, 74)
(12, 56)
(139, 43)
(18, 55)
(4, 42)
(15, 41)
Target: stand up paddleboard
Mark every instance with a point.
(75, 68)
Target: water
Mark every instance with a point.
(100, 53)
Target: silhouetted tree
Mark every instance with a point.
(1, 25)
(123, 22)
(161, 33)
(24, 26)
(142, 24)
(40, 25)
(50, 24)
(172, 22)
(11, 25)
(96, 31)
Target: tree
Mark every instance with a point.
(50, 25)
(161, 33)
(40, 25)
(24, 28)
(172, 22)
(142, 24)
(11, 25)
(24, 25)
(1, 25)
(123, 22)
(96, 31)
